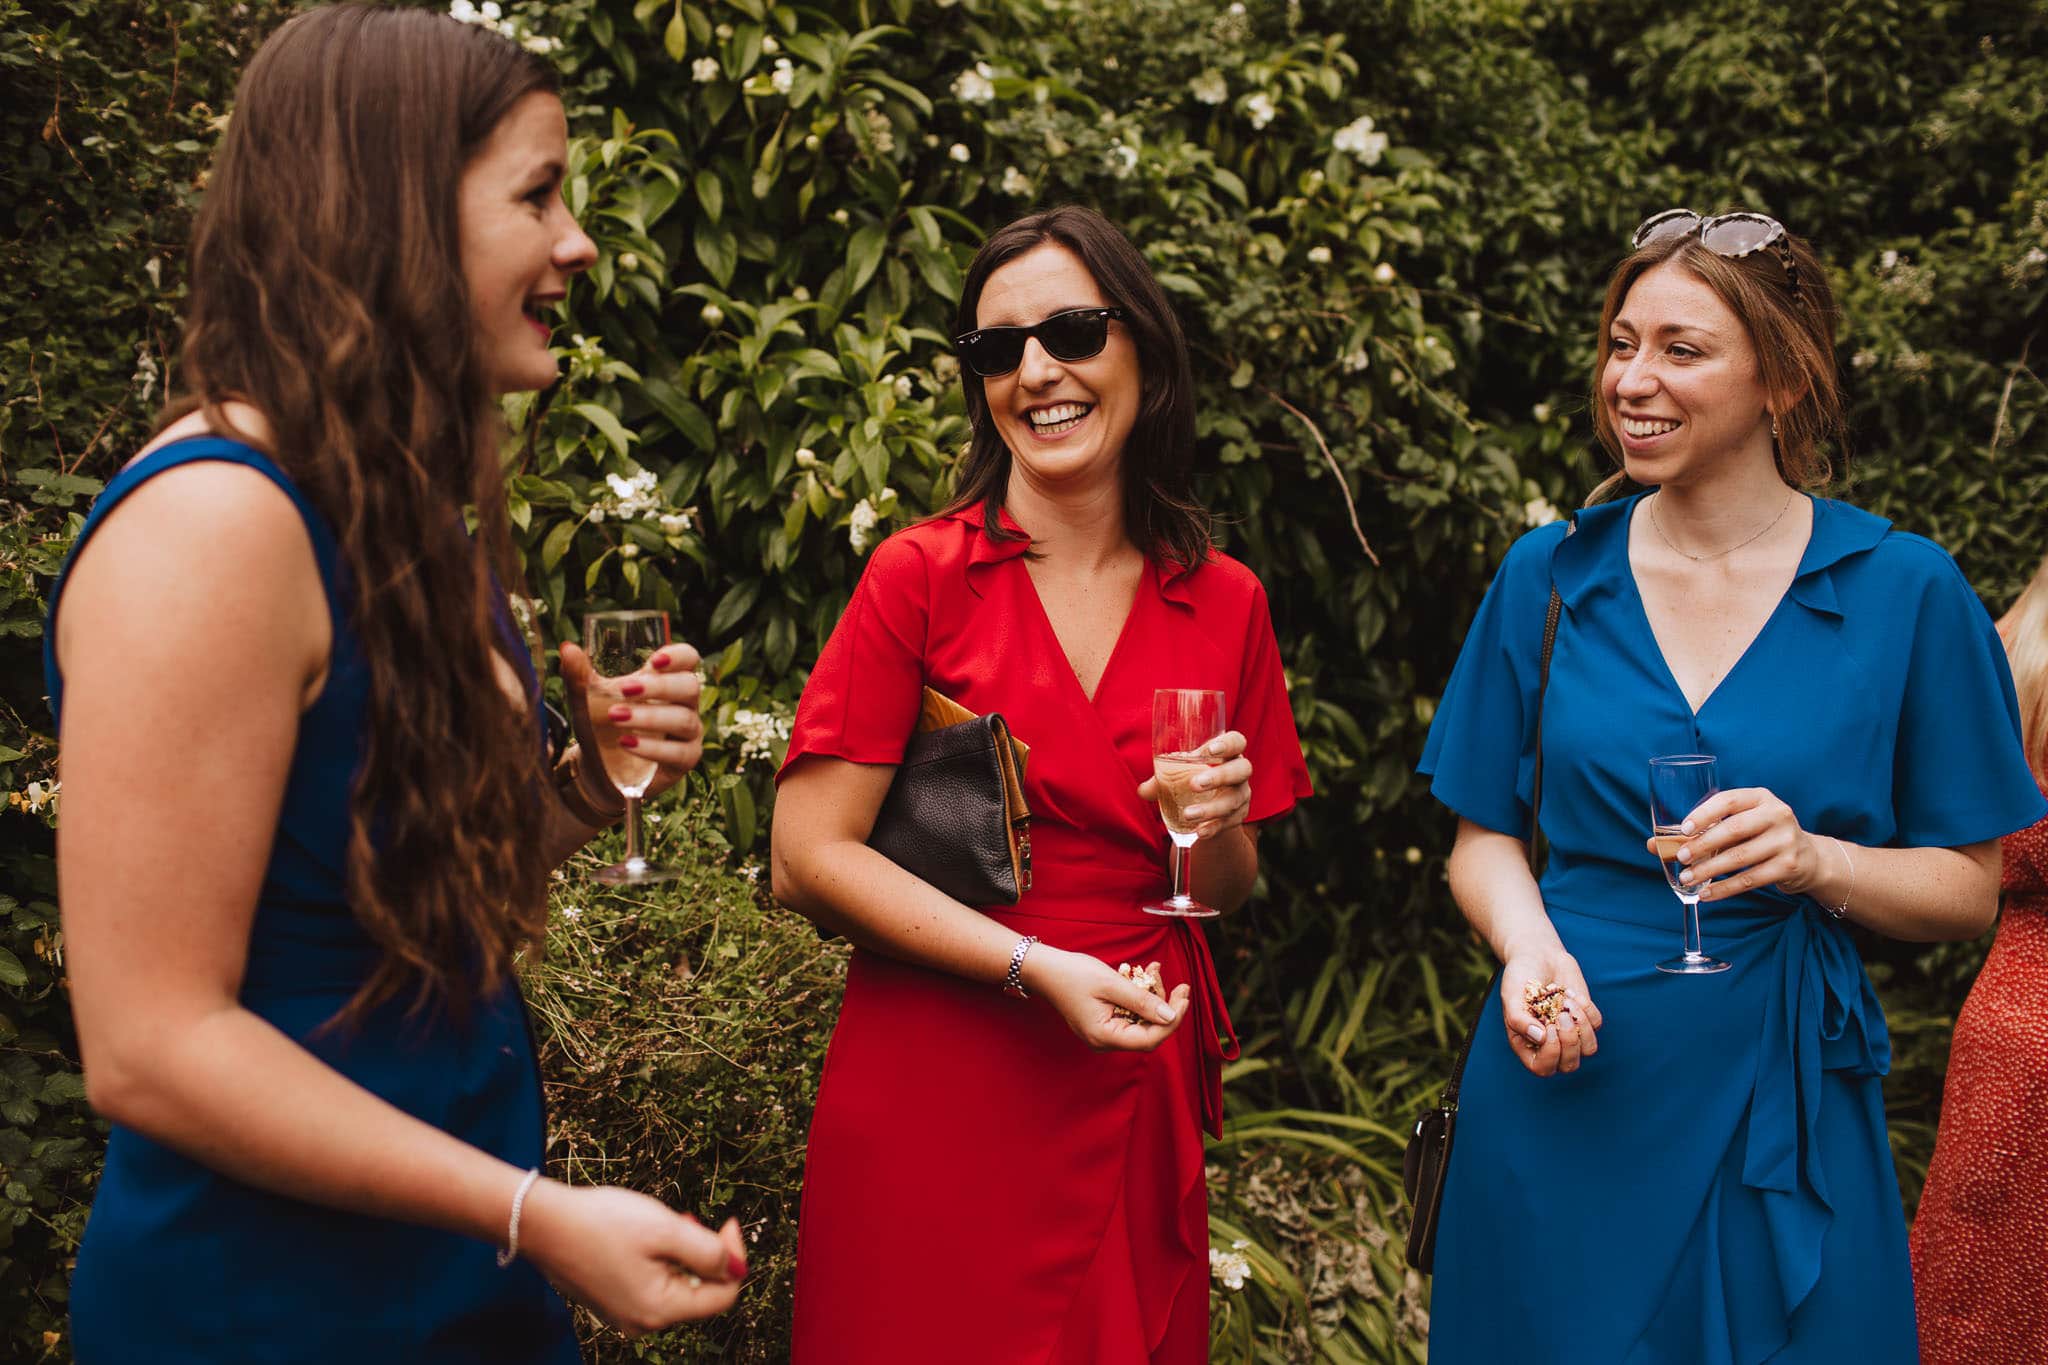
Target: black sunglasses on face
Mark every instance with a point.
(1076, 334)
(1733, 235)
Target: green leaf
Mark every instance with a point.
(685, 416)
(719, 250)
(602, 418)
(12, 973)
(710, 193)
(863, 254)
(737, 602)
(676, 41)
(557, 544)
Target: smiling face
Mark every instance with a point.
(1680, 383)
(519, 243)
(1064, 421)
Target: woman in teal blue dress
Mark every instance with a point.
(1693, 1169)
(307, 825)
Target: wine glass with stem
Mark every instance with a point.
(620, 643)
(1183, 721)
(1679, 783)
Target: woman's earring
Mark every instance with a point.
(1774, 428)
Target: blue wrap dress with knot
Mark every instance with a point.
(1714, 1186)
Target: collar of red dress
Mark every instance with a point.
(1596, 555)
(982, 549)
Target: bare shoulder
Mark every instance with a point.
(204, 548)
(245, 422)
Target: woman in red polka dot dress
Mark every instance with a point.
(1980, 1244)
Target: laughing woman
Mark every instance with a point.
(1033, 1160)
(307, 825)
(1693, 1169)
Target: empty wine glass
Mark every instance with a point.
(1679, 783)
(620, 643)
(1183, 721)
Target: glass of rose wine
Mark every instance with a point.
(620, 643)
(1678, 784)
(1183, 721)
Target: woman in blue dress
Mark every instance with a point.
(1694, 1169)
(307, 822)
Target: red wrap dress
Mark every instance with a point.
(980, 1185)
(1980, 1241)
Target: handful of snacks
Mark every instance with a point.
(1147, 977)
(1545, 999)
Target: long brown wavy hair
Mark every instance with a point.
(1791, 330)
(327, 291)
(1161, 515)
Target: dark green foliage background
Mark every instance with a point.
(765, 335)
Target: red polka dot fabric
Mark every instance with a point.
(1980, 1245)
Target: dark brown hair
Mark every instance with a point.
(1161, 515)
(327, 291)
(1791, 331)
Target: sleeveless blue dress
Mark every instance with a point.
(184, 1265)
(1715, 1185)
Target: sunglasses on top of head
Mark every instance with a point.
(1733, 235)
(1076, 334)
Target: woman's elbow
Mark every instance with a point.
(785, 882)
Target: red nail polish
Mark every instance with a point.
(659, 661)
(629, 741)
(736, 1266)
(632, 689)
(620, 713)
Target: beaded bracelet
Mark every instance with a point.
(510, 1252)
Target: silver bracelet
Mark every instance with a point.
(1841, 912)
(510, 1252)
(1013, 984)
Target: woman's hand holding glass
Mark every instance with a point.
(1560, 1045)
(1222, 794)
(1747, 838)
(652, 711)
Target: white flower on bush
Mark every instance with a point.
(904, 388)
(1358, 138)
(534, 42)
(860, 525)
(976, 85)
(1538, 511)
(758, 732)
(1210, 87)
(1259, 109)
(1016, 184)
(1230, 1267)
(724, 33)
(841, 217)
(1123, 159)
(945, 369)
(711, 314)
(35, 796)
(146, 372)
(1383, 273)
(1319, 255)
(770, 46)
(806, 458)
(1356, 360)
(784, 75)
(704, 70)
(958, 151)
(1541, 412)
(674, 523)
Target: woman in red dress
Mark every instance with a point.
(1980, 1242)
(1033, 1165)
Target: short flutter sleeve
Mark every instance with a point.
(1480, 755)
(1264, 716)
(1959, 772)
(861, 702)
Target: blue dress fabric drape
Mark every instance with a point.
(1714, 1186)
(183, 1264)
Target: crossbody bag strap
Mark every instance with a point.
(1538, 847)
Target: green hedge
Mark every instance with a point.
(1386, 228)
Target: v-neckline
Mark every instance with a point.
(1749, 646)
(1115, 650)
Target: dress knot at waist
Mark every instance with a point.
(1820, 1014)
(1215, 1037)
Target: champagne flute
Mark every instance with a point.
(620, 643)
(1679, 783)
(1183, 721)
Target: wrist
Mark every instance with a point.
(1040, 965)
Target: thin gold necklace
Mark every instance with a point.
(1658, 527)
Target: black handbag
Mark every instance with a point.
(1428, 1158)
(955, 814)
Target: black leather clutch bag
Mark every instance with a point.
(955, 813)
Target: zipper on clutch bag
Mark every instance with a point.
(1023, 828)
